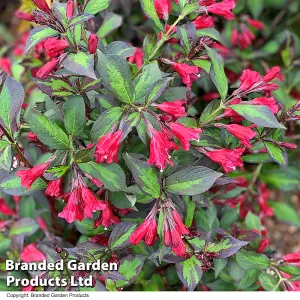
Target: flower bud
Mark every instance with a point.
(24, 16)
(93, 43)
(70, 9)
(42, 5)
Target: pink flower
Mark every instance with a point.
(54, 46)
(180, 227)
(229, 159)
(222, 9)
(107, 218)
(42, 5)
(244, 134)
(160, 148)
(272, 74)
(41, 222)
(263, 245)
(54, 188)
(242, 39)
(185, 134)
(32, 137)
(189, 74)
(5, 65)
(5, 209)
(137, 57)
(28, 177)
(93, 43)
(107, 147)
(203, 21)
(147, 230)
(31, 254)
(24, 16)
(81, 204)
(70, 9)
(293, 258)
(248, 79)
(47, 68)
(255, 23)
(163, 8)
(263, 197)
(175, 109)
(211, 96)
(269, 102)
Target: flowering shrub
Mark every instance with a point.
(149, 145)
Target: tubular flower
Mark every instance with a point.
(54, 46)
(263, 245)
(107, 147)
(81, 203)
(93, 43)
(24, 16)
(255, 23)
(31, 254)
(5, 209)
(244, 134)
(107, 218)
(263, 197)
(137, 57)
(203, 21)
(189, 74)
(185, 134)
(269, 102)
(47, 68)
(163, 8)
(28, 177)
(176, 109)
(54, 188)
(222, 9)
(42, 5)
(229, 159)
(70, 9)
(160, 148)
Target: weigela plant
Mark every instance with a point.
(113, 153)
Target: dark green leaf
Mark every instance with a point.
(249, 279)
(95, 6)
(110, 23)
(275, 152)
(150, 11)
(251, 260)
(285, 213)
(119, 238)
(268, 282)
(252, 222)
(79, 19)
(24, 226)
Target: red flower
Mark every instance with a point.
(47, 68)
(5, 64)
(189, 74)
(172, 238)
(272, 74)
(107, 147)
(263, 197)
(70, 9)
(180, 227)
(54, 188)
(242, 39)
(222, 9)
(171, 40)
(244, 134)
(54, 46)
(107, 218)
(185, 134)
(159, 149)
(211, 96)
(32, 137)
(42, 5)
(31, 254)
(28, 177)
(292, 257)
(287, 145)
(203, 21)
(263, 245)
(163, 8)
(24, 16)
(81, 204)
(137, 57)
(248, 79)
(93, 43)
(229, 159)
(255, 23)
(41, 222)
(5, 209)
(175, 109)
(269, 102)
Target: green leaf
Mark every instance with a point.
(11, 100)
(54, 87)
(129, 268)
(144, 175)
(112, 176)
(190, 8)
(189, 272)
(217, 72)
(119, 238)
(157, 89)
(105, 122)
(203, 64)
(219, 265)
(190, 209)
(121, 49)
(211, 32)
(24, 226)
(110, 23)
(191, 181)
(12, 186)
(47, 131)
(292, 270)
(38, 34)
(256, 7)
(95, 6)
(258, 114)
(249, 279)
(150, 11)
(268, 282)
(235, 270)
(79, 19)
(285, 212)
(86, 227)
(74, 115)
(5, 156)
(275, 152)
(251, 260)
(80, 63)
(115, 73)
(122, 200)
(252, 222)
